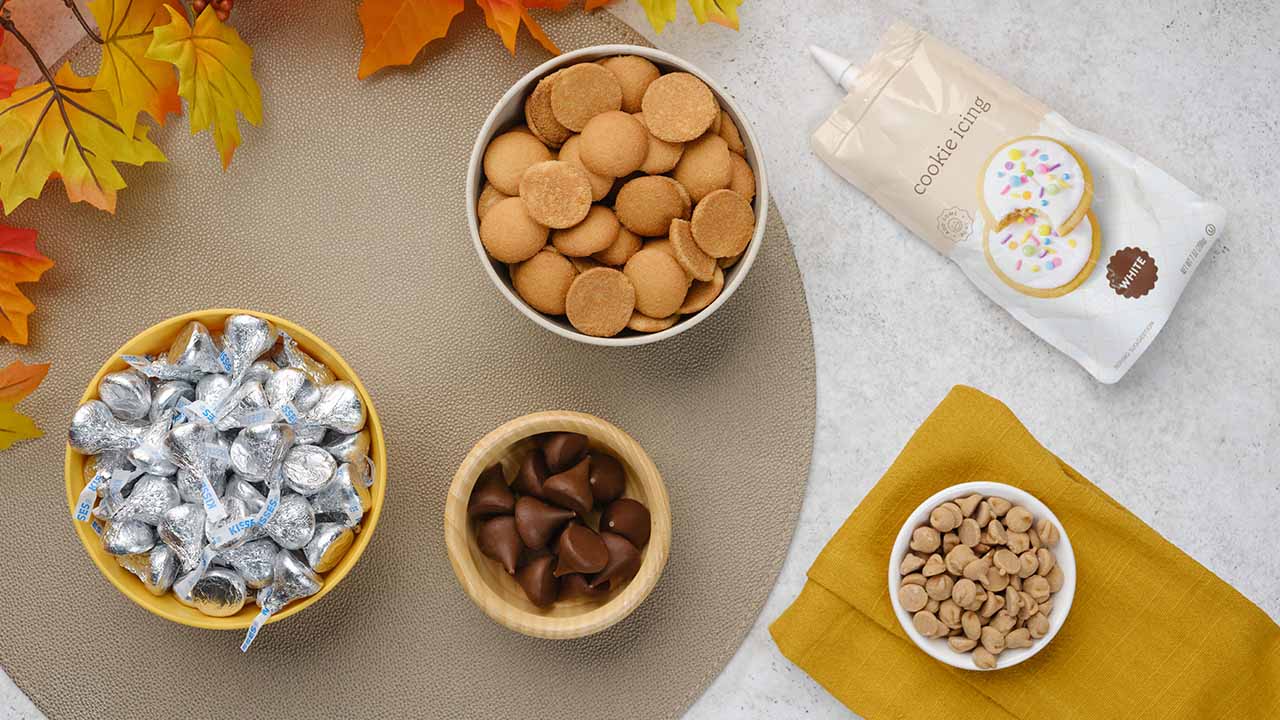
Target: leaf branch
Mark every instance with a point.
(93, 35)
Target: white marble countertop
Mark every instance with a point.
(1186, 441)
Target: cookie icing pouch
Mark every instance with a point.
(1083, 241)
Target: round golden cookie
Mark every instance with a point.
(732, 137)
(679, 107)
(696, 263)
(742, 180)
(661, 244)
(489, 197)
(537, 113)
(715, 124)
(727, 262)
(556, 193)
(600, 302)
(634, 74)
(723, 224)
(617, 254)
(583, 91)
(645, 324)
(583, 264)
(543, 281)
(509, 234)
(659, 281)
(613, 144)
(595, 233)
(646, 205)
(686, 201)
(661, 156)
(600, 184)
(704, 167)
(507, 157)
(701, 294)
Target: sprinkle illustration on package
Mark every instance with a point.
(1083, 241)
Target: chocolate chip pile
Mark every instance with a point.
(166, 433)
(981, 574)
(623, 200)
(538, 528)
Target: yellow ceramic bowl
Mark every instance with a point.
(156, 339)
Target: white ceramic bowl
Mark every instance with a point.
(1063, 553)
(509, 112)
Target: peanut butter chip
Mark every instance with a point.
(704, 167)
(647, 205)
(723, 223)
(679, 107)
(701, 294)
(659, 281)
(634, 74)
(617, 254)
(489, 197)
(600, 184)
(598, 231)
(613, 144)
(643, 323)
(556, 194)
(543, 281)
(507, 157)
(729, 132)
(662, 156)
(583, 91)
(537, 113)
(509, 234)
(600, 302)
(695, 262)
(742, 180)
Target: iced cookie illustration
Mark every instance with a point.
(1036, 175)
(1034, 259)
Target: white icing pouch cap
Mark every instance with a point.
(1036, 173)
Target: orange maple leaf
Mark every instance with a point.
(19, 379)
(395, 30)
(20, 262)
(504, 17)
(595, 4)
(8, 75)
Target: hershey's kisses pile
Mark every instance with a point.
(224, 467)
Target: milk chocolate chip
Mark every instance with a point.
(563, 450)
(623, 563)
(539, 582)
(498, 539)
(628, 518)
(607, 478)
(577, 585)
(537, 522)
(491, 496)
(533, 472)
(571, 488)
(580, 550)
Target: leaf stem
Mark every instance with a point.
(83, 23)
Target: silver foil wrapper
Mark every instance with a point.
(167, 395)
(128, 537)
(309, 434)
(293, 580)
(289, 391)
(210, 389)
(219, 593)
(328, 546)
(254, 560)
(238, 488)
(339, 408)
(127, 393)
(258, 450)
(94, 429)
(156, 569)
(151, 455)
(189, 485)
(290, 355)
(353, 448)
(236, 511)
(106, 462)
(344, 500)
(182, 528)
(151, 498)
(246, 405)
(195, 349)
(307, 468)
(244, 339)
(293, 523)
(260, 372)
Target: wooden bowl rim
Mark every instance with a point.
(457, 532)
(132, 587)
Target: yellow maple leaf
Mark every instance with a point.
(215, 75)
(659, 12)
(14, 426)
(724, 12)
(134, 82)
(395, 30)
(65, 129)
(20, 262)
(505, 16)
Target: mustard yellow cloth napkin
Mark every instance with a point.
(1152, 634)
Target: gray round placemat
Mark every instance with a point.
(345, 213)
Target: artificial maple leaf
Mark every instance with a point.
(19, 379)
(395, 30)
(20, 262)
(14, 426)
(724, 12)
(215, 75)
(64, 128)
(504, 17)
(595, 4)
(659, 12)
(8, 75)
(134, 82)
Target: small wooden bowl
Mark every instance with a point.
(496, 592)
(157, 339)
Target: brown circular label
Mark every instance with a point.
(1131, 272)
